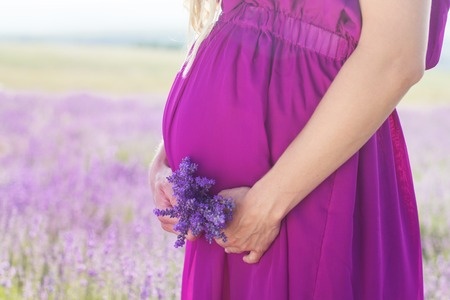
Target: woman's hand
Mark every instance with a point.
(252, 228)
(161, 188)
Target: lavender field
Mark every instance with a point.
(76, 218)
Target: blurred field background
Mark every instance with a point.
(130, 70)
(78, 126)
(61, 68)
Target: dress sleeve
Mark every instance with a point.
(438, 19)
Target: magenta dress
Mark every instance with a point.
(254, 84)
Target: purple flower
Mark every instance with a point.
(82, 203)
(197, 210)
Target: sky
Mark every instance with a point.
(49, 17)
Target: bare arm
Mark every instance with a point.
(389, 59)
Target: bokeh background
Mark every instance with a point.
(82, 89)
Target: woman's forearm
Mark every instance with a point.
(365, 92)
(355, 106)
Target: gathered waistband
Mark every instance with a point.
(291, 29)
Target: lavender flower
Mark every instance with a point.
(75, 219)
(196, 208)
(80, 206)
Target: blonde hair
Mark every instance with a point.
(202, 16)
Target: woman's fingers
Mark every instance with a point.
(234, 250)
(252, 238)
(191, 237)
(253, 257)
(168, 223)
(163, 197)
(162, 190)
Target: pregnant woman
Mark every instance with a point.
(290, 106)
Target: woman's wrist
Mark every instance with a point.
(278, 198)
(159, 161)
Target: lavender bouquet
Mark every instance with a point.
(196, 208)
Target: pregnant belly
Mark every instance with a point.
(224, 133)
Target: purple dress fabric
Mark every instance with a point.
(254, 84)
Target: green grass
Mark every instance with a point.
(105, 69)
(10, 294)
(126, 70)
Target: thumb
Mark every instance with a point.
(235, 193)
(253, 257)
